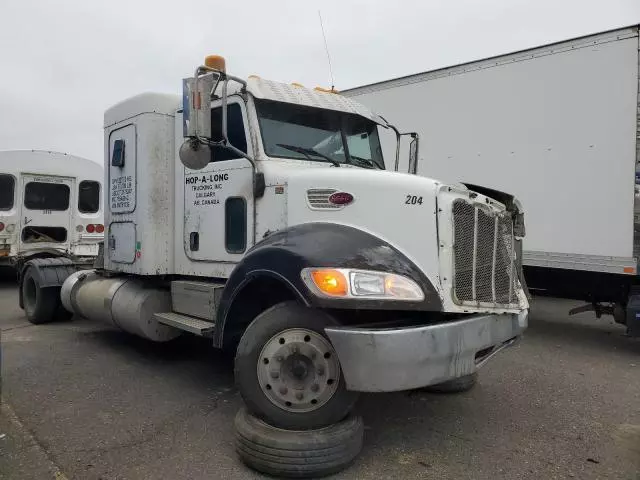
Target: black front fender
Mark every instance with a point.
(284, 254)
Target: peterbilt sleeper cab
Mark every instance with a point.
(260, 215)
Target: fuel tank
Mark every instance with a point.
(123, 302)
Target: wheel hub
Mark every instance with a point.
(298, 365)
(298, 370)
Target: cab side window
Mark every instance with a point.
(235, 132)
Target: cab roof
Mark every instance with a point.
(299, 95)
(148, 102)
(168, 104)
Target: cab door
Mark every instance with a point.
(218, 200)
(46, 211)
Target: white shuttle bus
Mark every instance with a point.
(50, 206)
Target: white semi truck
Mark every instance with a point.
(50, 206)
(259, 214)
(559, 127)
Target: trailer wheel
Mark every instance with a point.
(288, 372)
(297, 454)
(40, 304)
(457, 385)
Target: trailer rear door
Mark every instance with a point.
(46, 212)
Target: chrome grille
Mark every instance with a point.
(483, 255)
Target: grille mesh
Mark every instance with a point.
(483, 255)
(318, 199)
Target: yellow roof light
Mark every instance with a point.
(254, 76)
(216, 62)
(296, 84)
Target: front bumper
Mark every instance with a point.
(387, 360)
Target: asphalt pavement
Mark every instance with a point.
(84, 401)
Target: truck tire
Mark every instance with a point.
(457, 385)
(288, 372)
(297, 454)
(40, 304)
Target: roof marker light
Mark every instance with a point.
(325, 90)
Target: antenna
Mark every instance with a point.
(326, 47)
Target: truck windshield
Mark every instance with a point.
(307, 133)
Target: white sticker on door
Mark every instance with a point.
(204, 190)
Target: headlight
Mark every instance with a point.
(365, 284)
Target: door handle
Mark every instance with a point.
(194, 241)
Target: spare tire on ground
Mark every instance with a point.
(297, 454)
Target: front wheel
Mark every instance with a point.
(288, 372)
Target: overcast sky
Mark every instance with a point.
(64, 62)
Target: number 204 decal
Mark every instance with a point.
(413, 200)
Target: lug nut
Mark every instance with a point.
(279, 358)
(284, 390)
(275, 374)
(320, 371)
(315, 387)
(299, 395)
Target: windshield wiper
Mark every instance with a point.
(307, 152)
(364, 161)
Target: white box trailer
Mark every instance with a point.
(556, 126)
(50, 206)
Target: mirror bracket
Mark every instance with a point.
(413, 153)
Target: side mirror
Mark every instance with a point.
(413, 149)
(194, 154)
(413, 154)
(196, 120)
(196, 105)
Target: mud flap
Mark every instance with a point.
(51, 272)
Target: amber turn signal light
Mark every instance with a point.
(330, 282)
